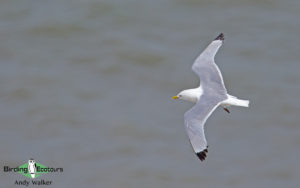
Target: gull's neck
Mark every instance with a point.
(193, 95)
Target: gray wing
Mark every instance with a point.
(194, 121)
(206, 68)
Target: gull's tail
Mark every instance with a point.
(238, 102)
(234, 101)
(243, 103)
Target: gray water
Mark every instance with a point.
(87, 86)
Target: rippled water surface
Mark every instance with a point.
(87, 86)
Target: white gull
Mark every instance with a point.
(208, 96)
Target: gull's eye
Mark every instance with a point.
(179, 95)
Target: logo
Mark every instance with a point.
(32, 170)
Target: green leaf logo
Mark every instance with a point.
(31, 171)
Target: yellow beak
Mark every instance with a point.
(175, 97)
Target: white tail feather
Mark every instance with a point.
(243, 103)
(232, 101)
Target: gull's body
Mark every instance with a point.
(208, 96)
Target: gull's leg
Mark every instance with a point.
(226, 109)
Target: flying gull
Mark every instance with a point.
(208, 96)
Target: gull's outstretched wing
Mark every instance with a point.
(206, 68)
(194, 121)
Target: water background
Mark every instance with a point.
(87, 86)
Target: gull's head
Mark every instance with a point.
(187, 95)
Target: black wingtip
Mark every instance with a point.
(202, 155)
(220, 37)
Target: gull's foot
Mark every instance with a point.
(226, 109)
